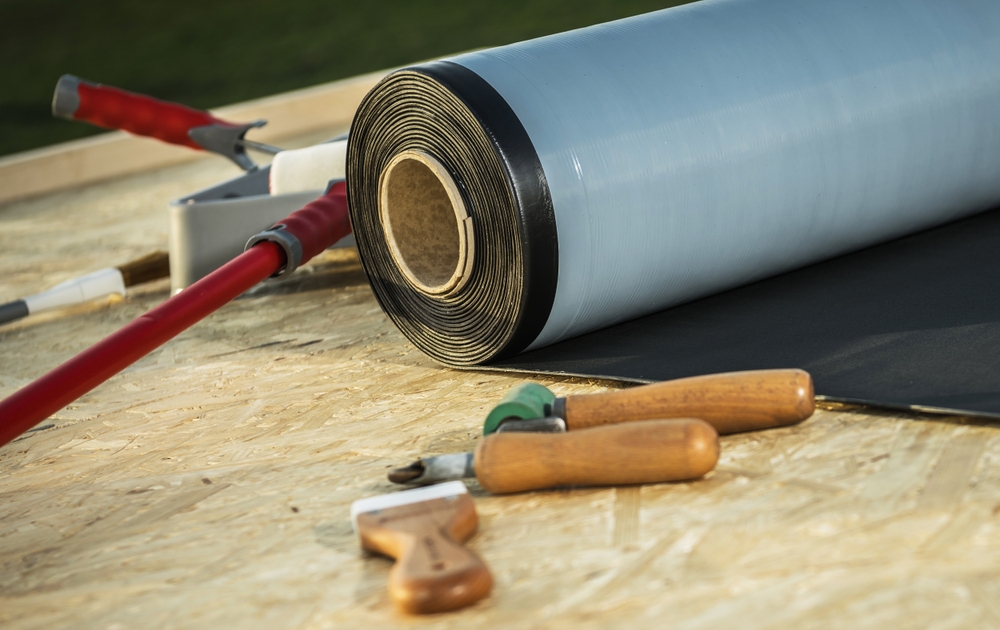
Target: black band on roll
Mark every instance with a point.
(451, 113)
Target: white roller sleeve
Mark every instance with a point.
(311, 168)
(77, 290)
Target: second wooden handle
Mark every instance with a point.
(642, 452)
(433, 572)
(730, 402)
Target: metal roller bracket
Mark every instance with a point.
(211, 227)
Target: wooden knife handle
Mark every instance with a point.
(642, 452)
(730, 402)
(433, 571)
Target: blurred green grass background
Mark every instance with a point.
(210, 53)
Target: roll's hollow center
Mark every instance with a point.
(426, 225)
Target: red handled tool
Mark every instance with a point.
(112, 108)
(273, 252)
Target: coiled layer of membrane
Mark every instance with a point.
(680, 154)
(444, 111)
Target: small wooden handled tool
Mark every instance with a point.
(422, 529)
(643, 452)
(731, 402)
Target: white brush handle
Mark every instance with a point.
(88, 287)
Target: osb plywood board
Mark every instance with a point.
(209, 485)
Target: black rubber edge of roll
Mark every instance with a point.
(540, 242)
(533, 218)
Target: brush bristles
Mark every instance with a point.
(146, 268)
(406, 497)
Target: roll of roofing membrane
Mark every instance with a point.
(511, 198)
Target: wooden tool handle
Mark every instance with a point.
(731, 402)
(433, 572)
(642, 452)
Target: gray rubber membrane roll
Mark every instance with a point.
(607, 173)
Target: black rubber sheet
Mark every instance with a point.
(913, 323)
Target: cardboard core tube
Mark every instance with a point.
(426, 225)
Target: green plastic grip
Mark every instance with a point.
(527, 401)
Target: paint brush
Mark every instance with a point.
(112, 280)
(632, 453)
(423, 529)
(275, 251)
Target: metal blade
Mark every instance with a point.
(538, 425)
(435, 469)
(259, 146)
(226, 140)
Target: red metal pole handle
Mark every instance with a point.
(318, 225)
(112, 108)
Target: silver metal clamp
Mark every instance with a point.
(227, 140)
(293, 248)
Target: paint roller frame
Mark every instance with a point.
(210, 227)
